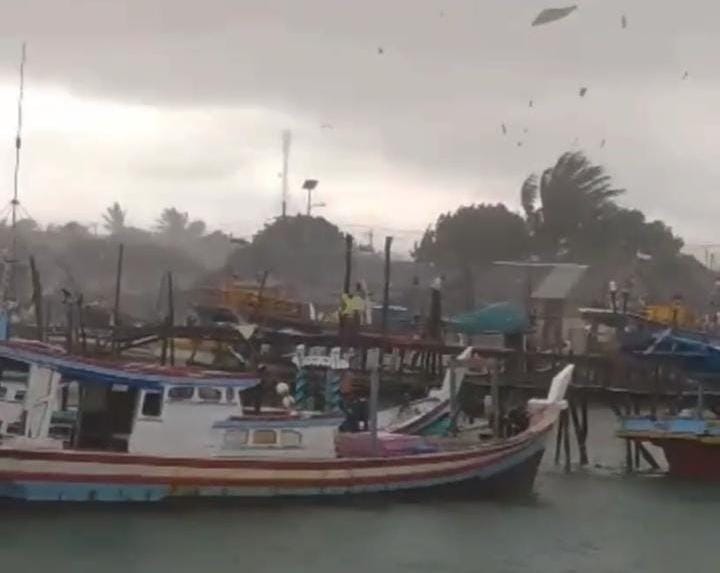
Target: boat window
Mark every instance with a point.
(3, 391)
(229, 395)
(207, 394)
(181, 392)
(264, 437)
(290, 438)
(20, 396)
(152, 404)
(234, 439)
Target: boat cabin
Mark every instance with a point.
(152, 410)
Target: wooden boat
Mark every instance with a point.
(691, 446)
(147, 433)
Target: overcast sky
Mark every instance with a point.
(156, 103)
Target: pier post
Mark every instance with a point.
(566, 440)
(453, 396)
(37, 299)
(116, 306)
(580, 431)
(374, 360)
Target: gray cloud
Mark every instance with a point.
(429, 109)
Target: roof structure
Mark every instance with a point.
(135, 374)
(560, 282)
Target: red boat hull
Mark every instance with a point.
(692, 459)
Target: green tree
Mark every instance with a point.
(472, 236)
(172, 223)
(114, 219)
(305, 252)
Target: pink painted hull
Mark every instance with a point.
(100, 476)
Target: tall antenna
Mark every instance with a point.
(18, 145)
(8, 282)
(286, 141)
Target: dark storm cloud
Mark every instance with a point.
(433, 100)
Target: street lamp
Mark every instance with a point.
(309, 185)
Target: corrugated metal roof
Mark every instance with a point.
(559, 282)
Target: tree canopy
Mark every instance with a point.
(473, 234)
(114, 219)
(571, 213)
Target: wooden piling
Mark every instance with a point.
(559, 438)
(116, 306)
(37, 300)
(566, 440)
(495, 395)
(171, 316)
(580, 434)
(386, 285)
(348, 263)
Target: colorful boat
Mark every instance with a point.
(691, 446)
(148, 433)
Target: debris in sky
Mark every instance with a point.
(602, 144)
(519, 143)
(525, 130)
(576, 141)
(643, 256)
(552, 14)
(381, 50)
(531, 103)
(504, 129)
(623, 21)
(583, 91)
(442, 13)
(326, 126)
(686, 75)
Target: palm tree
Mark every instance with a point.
(172, 223)
(566, 201)
(114, 219)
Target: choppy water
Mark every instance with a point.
(595, 521)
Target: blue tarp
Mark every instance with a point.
(498, 318)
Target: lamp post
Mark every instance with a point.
(309, 185)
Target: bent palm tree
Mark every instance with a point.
(573, 195)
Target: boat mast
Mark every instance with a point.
(9, 286)
(18, 144)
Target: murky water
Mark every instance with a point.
(593, 521)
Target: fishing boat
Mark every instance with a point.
(147, 433)
(429, 415)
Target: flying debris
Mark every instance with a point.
(583, 91)
(552, 14)
(576, 142)
(623, 21)
(602, 144)
(531, 103)
(504, 129)
(519, 143)
(686, 75)
(381, 50)
(326, 126)
(442, 13)
(525, 130)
